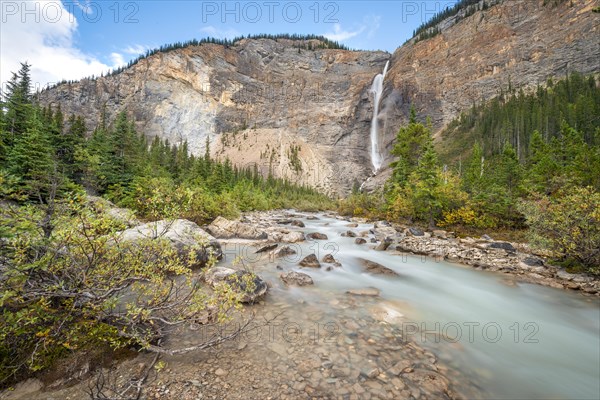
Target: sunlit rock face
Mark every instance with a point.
(307, 114)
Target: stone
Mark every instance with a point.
(266, 248)
(225, 229)
(220, 372)
(438, 233)
(310, 261)
(328, 258)
(384, 244)
(486, 237)
(369, 291)
(504, 246)
(293, 237)
(183, 235)
(317, 236)
(377, 269)
(296, 278)
(249, 285)
(283, 251)
(122, 215)
(350, 234)
(297, 223)
(416, 231)
(360, 241)
(352, 225)
(372, 373)
(533, 261)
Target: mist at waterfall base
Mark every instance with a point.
(513, 340)
(377, 90)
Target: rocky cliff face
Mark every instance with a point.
(306, 114)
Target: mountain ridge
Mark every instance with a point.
(262, 96)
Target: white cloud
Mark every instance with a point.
(117, 59)
(226, 33)
(136, 49)
(85, 6)
(339, 35)
(47, 44)
(370, 24)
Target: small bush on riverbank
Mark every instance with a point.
(569, 225)
(70, 282)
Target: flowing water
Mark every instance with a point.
(377, 89)
(509, 339)
(460, 332)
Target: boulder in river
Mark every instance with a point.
(297, 223)
(377, 269)
(293, 237)
(283, 251)
(225, 229)
(310, 261)
(182, 234)
(317, 236)
(296, 278)
(384, 244)
(329, 259)
(360, 241)
(267, 247)
(249, 285)
(350, 234)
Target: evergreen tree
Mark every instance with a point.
(31, 158)
(410, 144)
(17, 101)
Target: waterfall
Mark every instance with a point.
(376, 89)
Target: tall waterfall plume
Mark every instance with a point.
(377, 89)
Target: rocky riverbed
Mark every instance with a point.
(336, 328)
(516, 259)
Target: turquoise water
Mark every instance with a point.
(514, 340)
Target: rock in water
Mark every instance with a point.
(310, 261)
(297, 223)
(369, 291)
(249, 285)
(225, 229)
(377, 269)
(317, 236)
(328, 258)
(183, 235)
(293, 237)
(385, 243)
(267, 247)
(296, 278)
(283, 252)
(360, 241)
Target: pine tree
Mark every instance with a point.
(410, 144)
(426, 183)
(17, 101)
(31, 158)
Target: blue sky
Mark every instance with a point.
(70, 39)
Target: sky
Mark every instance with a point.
(72, 39)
